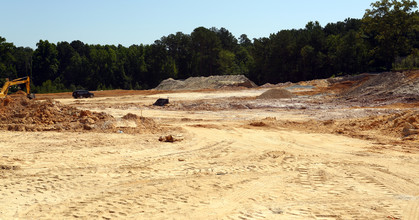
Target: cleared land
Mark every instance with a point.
(344, 148)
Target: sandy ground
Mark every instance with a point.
(244, 163)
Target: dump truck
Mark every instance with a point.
(24, 80)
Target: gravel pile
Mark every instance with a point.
(211, 82)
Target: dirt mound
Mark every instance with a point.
(20, 92)
(5, 101)
(403, 126)
(211, 82)
(276, 94)
(142, 123)
(386, 88)
(22, 114)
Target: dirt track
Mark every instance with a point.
(235, 157)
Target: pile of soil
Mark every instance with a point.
(22, 114)
(276, 94)
(385, 88)
(211, 82)
(402, 126)
(143, 123)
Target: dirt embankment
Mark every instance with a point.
(402, 128)
(385, 88)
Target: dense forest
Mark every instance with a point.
(386, 38)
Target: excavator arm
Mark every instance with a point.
(24, 80)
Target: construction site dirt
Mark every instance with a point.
(339, 148)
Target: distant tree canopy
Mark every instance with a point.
(386, 37)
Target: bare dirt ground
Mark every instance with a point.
(329, 152)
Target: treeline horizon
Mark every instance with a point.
(386, 38)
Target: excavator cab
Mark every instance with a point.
(24, 80)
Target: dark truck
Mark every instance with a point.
(82, 94)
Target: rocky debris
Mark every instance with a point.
(211, 82)
(276, 94)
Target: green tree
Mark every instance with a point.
(103, 65)
(179, 48)
(244, 61)
(136, 66)
(227, 39)
(391, 26)
(206, 47)
(45, 62)
(6, 59)
(23, 61)
(245, 41)
(159, 64)
(66, 54)
(261, 52)
(227, 63)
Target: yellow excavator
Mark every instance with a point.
(8, 84)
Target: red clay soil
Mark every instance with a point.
(22, 114)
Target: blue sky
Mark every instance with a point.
(127, 22)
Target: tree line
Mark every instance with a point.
(386, 38)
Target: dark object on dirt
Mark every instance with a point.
(161, 102)
(9, 167)
(258, 124)
(22, 93)
(82, 94)
(168, 138)
(31, 96)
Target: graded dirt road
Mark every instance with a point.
(234, 157)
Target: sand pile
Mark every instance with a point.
(211, 82)
(276, 94)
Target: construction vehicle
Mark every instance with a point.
(23, 80)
